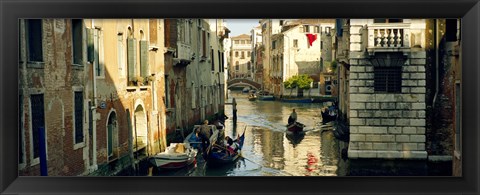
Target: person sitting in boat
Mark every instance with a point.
(232, 146)
(195, 139)
(292, 118)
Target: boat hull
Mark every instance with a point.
(266, 98)
(295, 127)
(164, 162)
(308, 100)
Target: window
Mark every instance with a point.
(237, 67)
(248, 54)
(99, 53)
(38, 122)
(281, 22)
(21, 149)
(212, 57)
(220, 63)
(204, 43)
(243, 55)
(120, 55)
(237, 42)
(451, 30)
(458, 118)
(242, 42)
(78, 120)
(77, 41)
(249, 66)
(306, 28)
(295, 43)
(223, 63)
(131, 59)
(236, 54)
(388, 79)
(327, 30)
(34, 40)
(273, 44)
(194, 95)
(316, 29)
(167, 90)
(383, 20)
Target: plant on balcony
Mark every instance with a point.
(139, 80)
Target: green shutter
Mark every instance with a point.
(131, 58)
(144, 58)
(90, 47)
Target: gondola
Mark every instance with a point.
(221, 155)
(295, 137)
(295, 127)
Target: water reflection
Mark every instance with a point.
(269, 150)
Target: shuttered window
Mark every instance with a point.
(144, 59)
(131, 58)
(78, 117)
(388, 79)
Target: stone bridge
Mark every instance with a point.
(243, 82)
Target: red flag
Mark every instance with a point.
(311, 38)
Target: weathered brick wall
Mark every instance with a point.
(386, 125)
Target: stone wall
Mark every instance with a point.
(387, 125)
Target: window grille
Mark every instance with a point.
(388, 79)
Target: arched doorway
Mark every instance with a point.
(112, 136)
(140, 130)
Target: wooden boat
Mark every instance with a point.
(246, 89)
(252, 97)
(304, 100)
(177, 155)
(295, 127)
(266, 97)
(221, 155)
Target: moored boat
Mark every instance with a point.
(252, 97)
(177, 155)
(295, 127)
(304, 100)
(266, 97)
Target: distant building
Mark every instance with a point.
(241, 51)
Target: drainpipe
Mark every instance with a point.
(436, 43)
(93, 109)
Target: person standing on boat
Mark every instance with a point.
(293, 117)
(234, 106)
(205, 136)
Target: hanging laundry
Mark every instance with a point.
(311, 38)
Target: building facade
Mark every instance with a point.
(241, 63)
(97, 106)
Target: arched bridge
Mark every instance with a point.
(243, 82)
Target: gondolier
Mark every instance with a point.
(293, 117)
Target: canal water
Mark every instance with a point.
(269, 150)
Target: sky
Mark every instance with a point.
(241, 26)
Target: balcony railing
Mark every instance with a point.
(184, 55)
(388, 37)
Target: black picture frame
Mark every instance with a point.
(11, 11)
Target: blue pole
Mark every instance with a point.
(43, 152)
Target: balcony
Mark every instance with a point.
(388, 38)
(183, 55)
